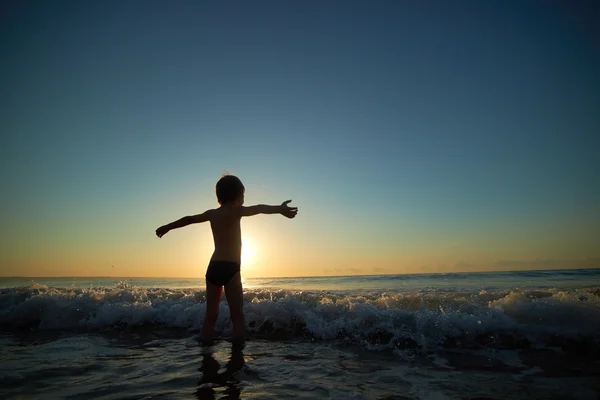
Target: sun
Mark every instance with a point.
(248, 252)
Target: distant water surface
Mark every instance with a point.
(402, 282)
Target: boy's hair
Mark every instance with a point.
(229, 188)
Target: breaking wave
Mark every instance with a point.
(567, 318)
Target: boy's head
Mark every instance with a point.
(230, 190)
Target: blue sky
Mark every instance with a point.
(418, 135)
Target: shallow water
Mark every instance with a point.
(134, 366)
(525, 335)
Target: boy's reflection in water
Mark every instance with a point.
(211, 378)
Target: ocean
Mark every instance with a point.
(493, 335)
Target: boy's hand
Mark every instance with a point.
(288, 211)
(161, 231)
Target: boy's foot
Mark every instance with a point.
(237, 346)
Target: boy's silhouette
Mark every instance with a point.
(224, 267)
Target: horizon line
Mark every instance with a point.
(295, 277)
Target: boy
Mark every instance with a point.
(224, 267)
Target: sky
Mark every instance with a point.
(414, 136)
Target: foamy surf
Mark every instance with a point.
(376, 320)
(447, 336)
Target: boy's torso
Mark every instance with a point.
(227, 235)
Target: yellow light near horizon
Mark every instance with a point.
(248, 252)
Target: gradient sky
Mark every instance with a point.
(414, 136)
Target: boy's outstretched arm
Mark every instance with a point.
(283, 209)
(185, 221)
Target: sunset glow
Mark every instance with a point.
(411, 138)
(248, 252)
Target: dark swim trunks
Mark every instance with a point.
(220, 272)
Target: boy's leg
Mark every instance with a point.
(213, 299)
(235, 300)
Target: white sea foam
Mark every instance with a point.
(376, 320)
